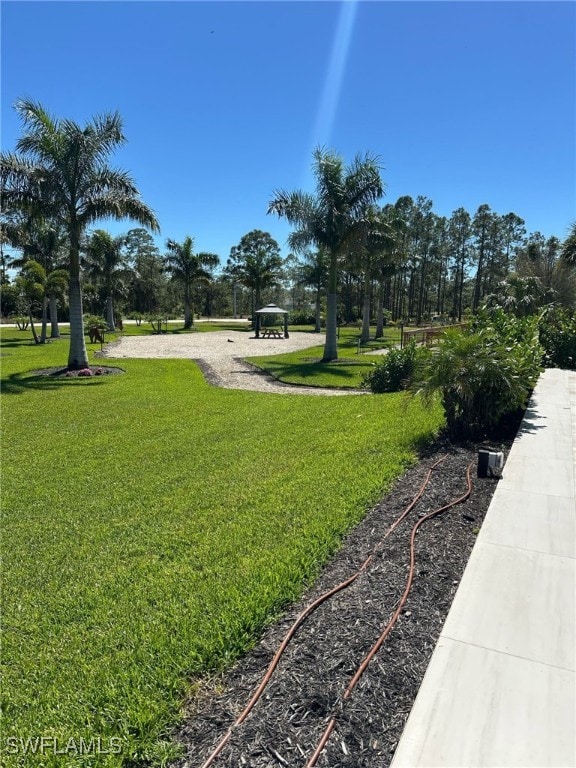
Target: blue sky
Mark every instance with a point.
(223, 102)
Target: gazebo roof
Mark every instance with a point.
(271, 309)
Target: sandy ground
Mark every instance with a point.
(220, 355)
(217, 345)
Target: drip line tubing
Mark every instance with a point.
(388, 628)
(308, 611)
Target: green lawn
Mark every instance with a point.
(152, 526)
(177, 327)
(305, 366)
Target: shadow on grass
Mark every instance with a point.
(28, 342)
(18, 383)
(208, 327)
(342, 372)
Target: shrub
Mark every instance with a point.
(301, 317)
(395, 371)
(93, 322)
(10, 300)
(22, 322)
(485, 374)
(138, 317)
(557, 333)
(157, 321)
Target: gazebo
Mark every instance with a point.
(271, 309)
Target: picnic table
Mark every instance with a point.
(271, 333)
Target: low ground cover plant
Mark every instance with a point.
(163, 524)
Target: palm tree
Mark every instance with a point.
(32, 285)
(334, 219)
(547, 261)
(569, 245)
(369, 258)
(521, 295)
(313, 272)
(61, 170)
(189, 268)
(105, 262)
(56, 285)
(42, 241)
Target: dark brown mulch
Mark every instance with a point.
(66, 373)
(306, 688)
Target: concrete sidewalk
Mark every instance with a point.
(500, 689)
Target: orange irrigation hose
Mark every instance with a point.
(375, 648)
(417, 498)
(304, 615)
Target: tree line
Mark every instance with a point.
(352, 259)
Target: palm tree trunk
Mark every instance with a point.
(44, 319)
(330, 346)
(317, 323)
(187, 310)
(77, 356)
(54, 329)
(380, 312)
(331, 343)
(187, 315)
(34, 334)
(110, 313)
(365, 333)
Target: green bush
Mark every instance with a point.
(483, 374)
(22, 322)
(157, 321)
(10, 300)
(557, 332)
(395, 371)
(138, 317)
(301, 317)
(93, 321)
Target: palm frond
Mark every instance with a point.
(35, 117)
(109, 180)
(300, 240)
(116, 206)
(209, 260)
(296, 207)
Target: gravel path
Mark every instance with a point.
(220, 356)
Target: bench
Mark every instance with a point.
(271, 333)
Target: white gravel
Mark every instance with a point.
(213, 345)
(220, 355)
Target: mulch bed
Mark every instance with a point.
(66, 373)
(306, 689)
